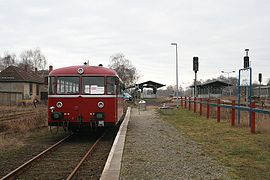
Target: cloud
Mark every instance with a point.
(69, 32)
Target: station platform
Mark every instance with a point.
(147, 147)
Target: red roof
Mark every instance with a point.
(15, 74)
(87, 70)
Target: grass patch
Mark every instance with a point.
(246, 155)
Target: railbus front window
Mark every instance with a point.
(111, 85)
(68, 85)
(93, 85)
(51, 85)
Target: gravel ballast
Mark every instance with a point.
(154, 149)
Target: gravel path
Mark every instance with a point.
(156, 150)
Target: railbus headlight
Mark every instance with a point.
(59, 104)
(100, 104)
(57, 116)
(99, 116)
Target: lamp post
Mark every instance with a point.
(228, 78)
(177, 95)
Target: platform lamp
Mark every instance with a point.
(177, 95)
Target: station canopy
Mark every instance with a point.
(148, 84)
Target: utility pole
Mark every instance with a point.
(177, 95)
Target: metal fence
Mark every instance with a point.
(212, 107)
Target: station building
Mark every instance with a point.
(17, 84)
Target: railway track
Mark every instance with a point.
(68, 158)
(12, 116)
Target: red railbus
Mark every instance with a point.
(84, 96)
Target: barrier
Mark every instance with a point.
(219, 104)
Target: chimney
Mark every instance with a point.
(50, 68)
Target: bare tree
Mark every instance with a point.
(8, 60)
(33, 59)
(123, 66)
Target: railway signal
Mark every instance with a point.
(195, 64)
(246, 59)
(260, 80)
(195, 69)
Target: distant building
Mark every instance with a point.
(148, 93)
(265, 91)
(211, 89)
(18, 84)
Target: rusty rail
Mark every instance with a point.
(19, 170)
(72, 174)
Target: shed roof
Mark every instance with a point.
(215, 83)
(16, 74)
(147, 84)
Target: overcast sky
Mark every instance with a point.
(74, 31)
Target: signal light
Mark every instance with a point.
(260, 77)
(195, 64)
(246, 62)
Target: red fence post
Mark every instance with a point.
(233, 113)
(195, 104)
(185, 102)
(218, 110)
(181, 101)
(200, 106)
(189, 103)
(208, 109)
(253, 105)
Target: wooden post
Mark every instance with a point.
(253, 123)
(185, 102)
(181, 101)
(195, 106)
(233, 113)
(200, 106)
(218, 110)
(208, 109)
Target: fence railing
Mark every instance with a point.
(188, 102)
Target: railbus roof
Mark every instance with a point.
(86, 70)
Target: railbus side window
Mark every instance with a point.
(65, 84)
(93, 85)
(51, 85)
(111, 85)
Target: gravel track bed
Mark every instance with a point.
(92, 168)
(154, 149)
(60, 163)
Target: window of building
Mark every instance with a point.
(30, 89)
(37, 89)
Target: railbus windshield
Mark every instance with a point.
(88, 85)
(93, 85)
